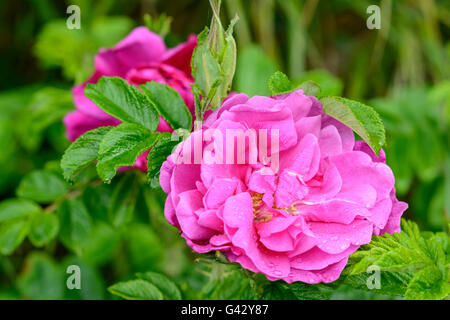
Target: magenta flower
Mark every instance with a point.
(298, 221)
(141, 57)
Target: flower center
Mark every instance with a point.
(260, 212)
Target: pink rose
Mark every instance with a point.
(328, 196)
(141, 57)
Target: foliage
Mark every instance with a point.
(411, 264)
(359, 117)
(213, 63)
(53, 217)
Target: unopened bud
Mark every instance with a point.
(214, 62)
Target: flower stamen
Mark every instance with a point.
(259, 213)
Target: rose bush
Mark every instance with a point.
(141, 57)
(298, 223)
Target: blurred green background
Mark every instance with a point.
(113, 231)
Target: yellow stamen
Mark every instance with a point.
(263, 215)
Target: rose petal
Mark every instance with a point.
(334, 238)
(190, 201)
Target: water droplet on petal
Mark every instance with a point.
(277, 273)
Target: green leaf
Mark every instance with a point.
(71, 49)
(222, 46)
(360, 118)
(17, 208)
(168, 288)
(44, 227)
(280, 290)
(121, 146)
(408, 262)
(123, 101)
(136, 290)
(75, 223)
(428, 284)
(228, 282)
(42, 278)
(392, 252)
(391, 283)
(138, 238)
(7, 140)
(227, 64)
(303, 291)
(205, 69)
(42, 186)
(169, 104)
(159, 24)
(123, 200)
(279, 83)
(12, 233)
(101, 245)
(407, 120)
(328, 83)
(345, 292)
(48, 106)
(10, 294)
(157, 155)
(310, 88)
(82, 151)
(92, 283)
(97, 200)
